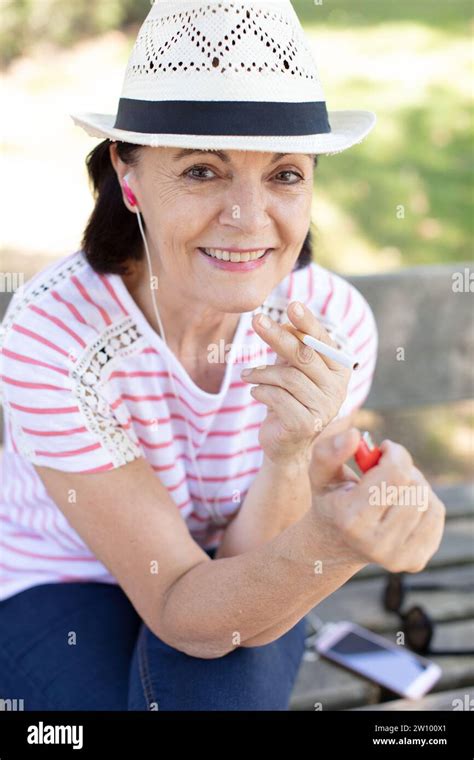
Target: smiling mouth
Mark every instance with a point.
(234, 256)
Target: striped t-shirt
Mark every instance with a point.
(85, 388)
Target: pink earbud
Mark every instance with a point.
(130, 196)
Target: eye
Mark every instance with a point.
(199, 170)
(287, 172)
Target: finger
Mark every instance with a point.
(425, 539)
(286, 345)
(308, 323)
(396, 455)
(328, 460)
(401, 519)
(293, 416)
(290, 379)
(431, 525)
(412, 497)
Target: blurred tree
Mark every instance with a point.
(62, 23)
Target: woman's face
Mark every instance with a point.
(221, 200)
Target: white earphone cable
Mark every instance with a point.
(217, 518)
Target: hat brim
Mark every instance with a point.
(347, 128)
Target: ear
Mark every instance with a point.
(117, 163)
(113, 155)
(122, 170)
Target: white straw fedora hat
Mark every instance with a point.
(214, 74)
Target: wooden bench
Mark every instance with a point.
(418, 310)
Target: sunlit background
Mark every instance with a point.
(410, 61)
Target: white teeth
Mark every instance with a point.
(219, 253)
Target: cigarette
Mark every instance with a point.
(322, 348)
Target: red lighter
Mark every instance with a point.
(367, 454)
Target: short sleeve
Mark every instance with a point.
(350, 319)
(54, 402)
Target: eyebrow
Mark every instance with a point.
(225, 157)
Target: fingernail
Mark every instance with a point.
(298, 309)
(246, 372)
(264, 322)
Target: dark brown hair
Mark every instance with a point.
(111, 239)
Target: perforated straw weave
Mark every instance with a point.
(226, 75)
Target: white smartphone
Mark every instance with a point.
(377, 659)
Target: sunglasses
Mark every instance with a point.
(418, 627)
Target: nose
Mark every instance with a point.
(246, 208)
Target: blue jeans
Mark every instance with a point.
(82, 646)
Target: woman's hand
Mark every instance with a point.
(390, 516)
(303, 390)
(328, 468)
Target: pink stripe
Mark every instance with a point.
(369, 360)
(348, 303)
(213, 433)
(162, 445)
(361, 346)
(363, 382)
(250, 450)
(59, 323)
(71, 453)
(57, 531)
(54, 410)
(108, 285)
(12, 438)
(171, 465)
(165, 444)
(179, 417)
(71, 558)
(197, 517)
(225, 478)
(73, 310)
(40, 339)
(55, 433)
(358, 323)
(328, 297)
(162, 396)
(28, 360)
(215, 479)
(195, 497)
(34, 572)
(37, 386)
(176, 485)
(184, 503)
(82, 290)
(155, 420)
(102, 468)
(157, 374)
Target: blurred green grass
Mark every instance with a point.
(451, 15)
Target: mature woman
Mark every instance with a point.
(163, 511)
